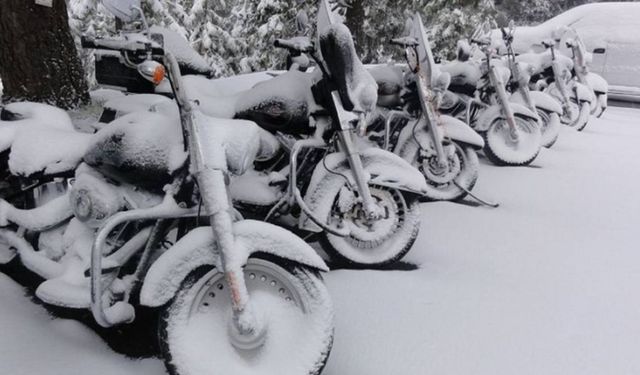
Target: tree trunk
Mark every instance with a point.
(38, 57)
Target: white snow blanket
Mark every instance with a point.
(546, 284)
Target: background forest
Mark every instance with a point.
(236, 36)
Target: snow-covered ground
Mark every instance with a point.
(549, 283)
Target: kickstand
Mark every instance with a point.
(483, 202)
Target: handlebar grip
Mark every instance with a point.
(298, 44)
(480, 42)
(87, 43)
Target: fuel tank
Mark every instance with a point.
(142, 148)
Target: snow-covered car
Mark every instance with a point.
(610, 32)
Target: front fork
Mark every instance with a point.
(212, 185)
(247, 326)
(526, 95)
(430, 114)
(345, 136)
(562, 89)
(503, 99)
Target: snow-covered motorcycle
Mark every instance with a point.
(442, 147)
(597, 83)
(147, 221)
(546, 107)
(360, 202)
(478, 96)
(552, 73)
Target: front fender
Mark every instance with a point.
(459, 131)
(198, 249)
(584, 93)
(455, 129)
(495, 111)
(384, 168)
(598, 83)
(546, 102)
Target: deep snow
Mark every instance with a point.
(546, 284)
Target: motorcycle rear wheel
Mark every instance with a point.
(294, 302)
(374, 244)
(501, 150)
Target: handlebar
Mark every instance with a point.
(298, 44)
(113, 44)
(548, 44)
(481, 42)
(405, 41)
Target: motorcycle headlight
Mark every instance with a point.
(82, 205)
(94, 200)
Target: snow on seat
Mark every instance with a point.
(135, 103)
(48, 151)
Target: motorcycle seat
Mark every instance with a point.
(390, 80)
(282, 103)
(47, 152)
(462, 73)
(40, 140)
(16, 117)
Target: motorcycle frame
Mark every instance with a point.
(428, 103)
(518, 77)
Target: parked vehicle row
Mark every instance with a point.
(201, 204)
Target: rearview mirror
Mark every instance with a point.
(125, 10)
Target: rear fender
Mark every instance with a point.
(495, 112)
(198, 249)
(383, 167)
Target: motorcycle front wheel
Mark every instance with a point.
(451, 183)
(372, 243)
(550, 122)
(601, 106)
(292, 301)
(503, 150)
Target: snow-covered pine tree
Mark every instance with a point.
(374, 22)
(451, 20)
(235, 36)
(88, 17)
